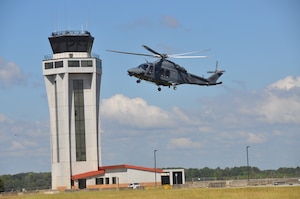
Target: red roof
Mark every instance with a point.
(87, 174)
(101, 170)
(126, 166)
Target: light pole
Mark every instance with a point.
(155, 165)
(247, 162)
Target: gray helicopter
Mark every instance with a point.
(164, 72)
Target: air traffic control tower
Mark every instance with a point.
(72, 78)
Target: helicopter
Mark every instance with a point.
(164, 72)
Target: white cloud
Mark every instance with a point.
(4, 118)
(253, 138)
(181, 115)
(169, 21)
(134, 112)
(183, 143)
(25, 147)
(15, 146)
(164, 21)
(139, 23)
(10, 74)
(286, 84)
(205, 129)
(281, 102)
(19, 138)
(280, 109)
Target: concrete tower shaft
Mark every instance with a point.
(73, 78)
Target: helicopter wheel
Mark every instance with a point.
(159, 89)
(138, 81)
(174, 87)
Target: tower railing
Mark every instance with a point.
(70, 32)
(50, 56)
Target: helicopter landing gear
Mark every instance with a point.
(174, 86)
(159, 89)
(138, 81)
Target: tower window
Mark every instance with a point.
(73, 63)
(79, 120)
(86, 63)
(59, 64)
(49, 65)
(98, 64)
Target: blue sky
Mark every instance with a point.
(258, 105)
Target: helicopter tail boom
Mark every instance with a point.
(213, 84)
(212, 80)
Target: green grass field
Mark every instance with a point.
(224, 193)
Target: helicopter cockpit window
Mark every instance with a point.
(143, 66)
(150, 69)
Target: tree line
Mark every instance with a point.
(39, 181)
(238, 173)
(25, 182)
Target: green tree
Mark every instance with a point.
(218, 173)
(1, 185)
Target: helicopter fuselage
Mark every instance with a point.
(164, 72)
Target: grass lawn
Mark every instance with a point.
(224, 193)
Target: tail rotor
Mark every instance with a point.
(216, 70)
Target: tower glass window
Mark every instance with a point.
(73, 63)
(86, 63)
(98, 64)
(59, 64)
(48, 65)
(79, 120)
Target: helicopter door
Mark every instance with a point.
(164, 73)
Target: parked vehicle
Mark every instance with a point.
(134, 185)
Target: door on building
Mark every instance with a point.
(165, 179)
(82, 183)
(177, 177)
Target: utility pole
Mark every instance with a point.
(247, 162)
(155, 165)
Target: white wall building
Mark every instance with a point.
(72, 78)
(120, 176)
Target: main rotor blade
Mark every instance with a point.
(129, 53)
(158, 55)
(154, 52)
(193, 52)
(186, 57)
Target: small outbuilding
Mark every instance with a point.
(118, 176)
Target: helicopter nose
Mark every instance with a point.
(135, 71)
